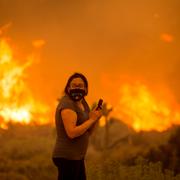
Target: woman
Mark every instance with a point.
(74, 123)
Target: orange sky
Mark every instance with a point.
(105, 40)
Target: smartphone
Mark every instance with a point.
(99, 104)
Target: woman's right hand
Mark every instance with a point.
(95, 114)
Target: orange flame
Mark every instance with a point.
(38, 43)
(167, 37)
(16, 100)
(144, 110)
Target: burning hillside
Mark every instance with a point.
(147, 109)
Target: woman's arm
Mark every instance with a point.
(69, 118)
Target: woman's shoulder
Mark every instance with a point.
(66, 102)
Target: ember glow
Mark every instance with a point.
(144, 109)
(16, 100)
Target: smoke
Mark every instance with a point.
(98, 37)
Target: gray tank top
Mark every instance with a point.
(74, 149)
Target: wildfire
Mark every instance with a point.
(147, 110)
(16, 100)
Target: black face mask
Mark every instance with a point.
(76, 94)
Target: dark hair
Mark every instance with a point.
(76, 75)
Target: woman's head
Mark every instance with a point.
(77, 83)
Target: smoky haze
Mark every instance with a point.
(102, 39)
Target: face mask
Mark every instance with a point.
(76, 94)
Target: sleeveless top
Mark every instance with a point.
(65, 147)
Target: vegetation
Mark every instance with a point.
(25, 154)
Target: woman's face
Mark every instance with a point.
(77, 83)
